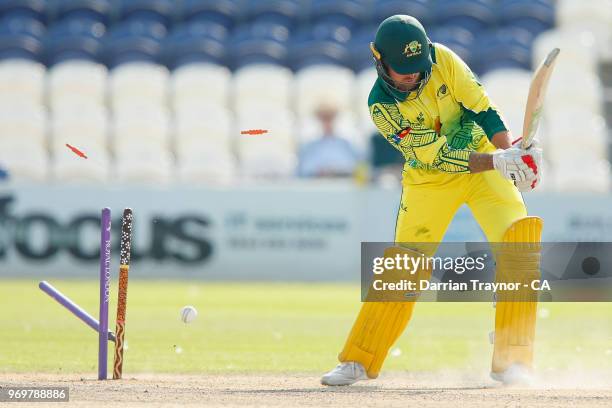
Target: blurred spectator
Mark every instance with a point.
(386, 161)
(329, 156)
(4, 175)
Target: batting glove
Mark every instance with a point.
(520, 166)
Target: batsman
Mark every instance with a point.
(429, 105)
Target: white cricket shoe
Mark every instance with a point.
(345, 374)
(516, 374)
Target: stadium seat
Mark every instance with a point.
(330, 31)
(346, 126)
(208, 124)
(22, 80)
(259, 43)
(359, 48)
(20, 46)
(139, 163)
(586, 91)
(566, 179)
(196, 42)
(24, 8)
(536, 16)
(186, 77)
(268, 30)
(203, 145)
(133, 50)
(208, 167)
(85, 127)
(193, 85)
(22, 122)
(364, 81)
(133, 41)
(74, 39)
(257, 51)
(314, 53)
(322, 32)
(348, 13)
(590, 153)
(503, 48)
(158, 11)
(281, 12)
(513, 117)
(67, 168)
(420, 9)
(138, 84)
(200, 29)
(577, 45)
(147, 127)
(90, 10)
(279, 123)
(138, 28)
(25, 162)
(458, 39)
(508, 89)
(267, 164)
(22, 25)
(269, 155)
(262, 84)
(76, 83)
(473, 15)
(224, 12)
(196, 84)
(593, 15)
(190, 149)
(562, 133)
(368, 129)
(330, 83)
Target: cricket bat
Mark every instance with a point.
(535, 99)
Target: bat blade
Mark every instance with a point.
(535, 99)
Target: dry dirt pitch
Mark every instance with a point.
(274, 390)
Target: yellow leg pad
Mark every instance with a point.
(379, 325)
(518, 260)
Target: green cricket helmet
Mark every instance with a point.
(402, 45)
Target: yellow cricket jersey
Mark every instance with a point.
(437, 131)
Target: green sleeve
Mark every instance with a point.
(490, 121)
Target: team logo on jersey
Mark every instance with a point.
(412, 48)
(421, 118)
(397, 138)
(442, 91)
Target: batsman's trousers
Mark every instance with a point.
(428, 205)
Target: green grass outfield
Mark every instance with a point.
(248, 327)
